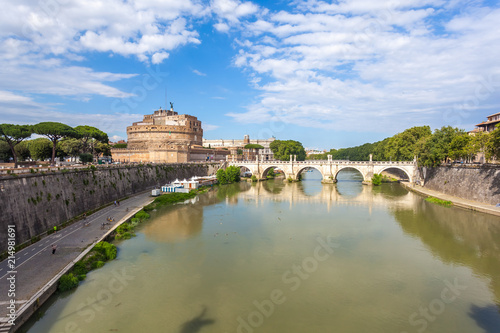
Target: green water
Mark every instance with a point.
(301, 257)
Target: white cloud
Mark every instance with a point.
(368, 62)
(197, 72)
(208, 127)
(158, 57)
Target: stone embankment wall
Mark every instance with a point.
(35, 203)
(478, 183)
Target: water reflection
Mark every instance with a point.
(348, 193)
(175, 224)
(457, 236)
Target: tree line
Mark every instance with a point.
(60, 140)
(431, 148)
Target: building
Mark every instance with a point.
(166, 137)
(488, 125)
(239, 152)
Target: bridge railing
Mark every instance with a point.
(316, 162)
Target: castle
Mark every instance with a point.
(166, 137)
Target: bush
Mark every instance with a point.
(106, 249)
(253, 178)
(377, 179)
(68, 282)
(221, 176)
(141, 215)
(86, 158)
(97, 264)
(80, 268)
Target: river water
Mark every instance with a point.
(299, 257)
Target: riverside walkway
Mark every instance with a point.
(38, 270)
(458, 202)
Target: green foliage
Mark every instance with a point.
(239, 152)
(80, 268)
(120, 145)
(68, 282)
(55, 131)
(141, 215)
(230, 175)
(22, 151)
(438, 147)
(14, 134)
(271, 174)
(459, 146)
(439, 201)
(253, 178)
(233, 174)
(493, 144)
(106, 249)
(253, 146)
(40, 149)
(282, 150)
(221, 176)
(70, 146)
(97, 264)
(86, 158)
(377, 179)
(5, 151)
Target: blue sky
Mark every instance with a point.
(329, 74)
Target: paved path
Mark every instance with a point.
(459, 202)
(36, 265)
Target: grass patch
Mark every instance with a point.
(439, 201)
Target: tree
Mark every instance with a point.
(230, 175)
(253, 146)
(478, 143)
(70, 146)
(437, 148)
(101, 148)
(282, 149)
(22, 150)
(55, 131)
(40, 149)
(5, 152)
(88, 132)
(493, 145)
(86, 158)
(401, 147)
(459, 147)
(233, 174)
(221, 176)
(13, 135)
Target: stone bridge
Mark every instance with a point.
(329, 169)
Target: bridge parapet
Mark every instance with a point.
(329, 169)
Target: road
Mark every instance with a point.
(36, 265)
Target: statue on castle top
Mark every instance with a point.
(171, 106)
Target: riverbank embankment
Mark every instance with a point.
(458, 202)
(37, 202)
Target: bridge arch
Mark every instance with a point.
(266, 170)
(244, 170)
(300, 170)
(406, 172)
(360, 170)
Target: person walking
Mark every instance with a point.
(54, 247)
